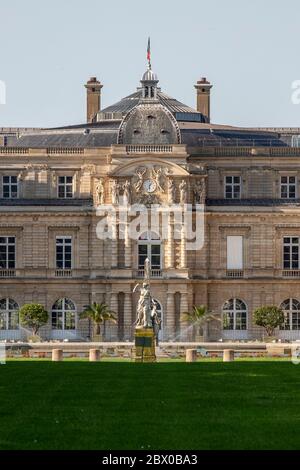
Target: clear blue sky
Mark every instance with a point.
(248, 49)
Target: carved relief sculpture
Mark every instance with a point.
(140, 173)
(157, 174)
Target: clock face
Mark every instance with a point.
(149, 186)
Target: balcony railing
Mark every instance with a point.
(149, 148)
(235, 273)
(294, 273)
(63, 273)
(7, 273)
(155, 273)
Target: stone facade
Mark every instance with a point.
(148, 149)
(108, 270)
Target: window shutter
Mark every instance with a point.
(235, 252)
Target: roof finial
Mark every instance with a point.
(149, 53)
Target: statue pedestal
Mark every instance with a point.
(144, 350)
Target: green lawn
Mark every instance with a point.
(113, 405)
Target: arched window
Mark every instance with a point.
(235, 315)
(149, 247)
(64, 315)
(9, 314)
(291, 309)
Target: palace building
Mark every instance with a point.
(152, 149)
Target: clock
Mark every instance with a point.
(149, 186)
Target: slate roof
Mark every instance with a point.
(129, 102)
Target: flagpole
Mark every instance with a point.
(149, 53)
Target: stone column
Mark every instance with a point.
(128, 316)
(127, 245)
(184, 307)
(183, 257)
(113, 328)
(170, 251)
(169, 323)
(114, 248)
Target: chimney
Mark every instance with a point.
(93, 98)
(203, 88)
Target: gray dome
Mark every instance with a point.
(149, 124)
(149, 76)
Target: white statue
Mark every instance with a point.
(115, 192)
(183, 192)
(100, 193)
(127, 192)
(200, 191)
(144, 307)
(157, 174)
(171, 191)
(140, 173)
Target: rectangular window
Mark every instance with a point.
(288, 187)
(10, 187)
(233, 187)
(65, 187)
(235, 255)
(7, 252)
(63, 252)
(291, 253)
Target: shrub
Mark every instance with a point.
(33, 316)
(269, 317)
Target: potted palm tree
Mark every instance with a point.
(199, 318)
(98, 314)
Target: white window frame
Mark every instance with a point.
(290, 244)
(9, 185)
(65, 239)
(232, 185)
(63, 312)
(234, 311)
(65, 185)
(287, 185)
(7, 244)
(149, 242)
(8, 312)
(289, 313)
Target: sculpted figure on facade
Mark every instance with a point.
(115, 188)
(183, 192)
(100, 192)
(200, 191)
(140, 173)
(127, 192)
(156, 175)
(171, 191)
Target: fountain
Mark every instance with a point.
(145, 338)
